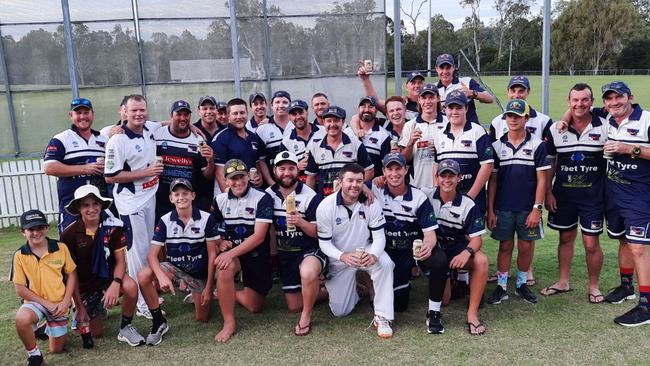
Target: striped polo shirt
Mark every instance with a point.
(459, 220)
(306, 204)
(377, 144)
(237, 216)
(538, 124)
(424, 157)
(271, 135)
(455, 85)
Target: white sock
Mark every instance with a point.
(463, 276)
(435, 305)
(34, 352)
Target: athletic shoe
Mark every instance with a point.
(383, 327)
(188, 299)
(498, 295)
(434, 322)
(460, 290)
(620, 294)
(35, 360)
(130, 336)
(524, 292)
(154, 339)
(639, 315)
(40, 334)
(147, 314)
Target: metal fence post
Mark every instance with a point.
(138, 38)
(397, 47)
(267, 51)
(10, 100)
(69, 48)
(234, 37)
(546, 56)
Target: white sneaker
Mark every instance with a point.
(384, 329)
(147, 314)
(188, 299)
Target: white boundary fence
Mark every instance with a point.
(24, 186)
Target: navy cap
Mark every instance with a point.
(618, 87)
(254, 96)
(393, 158)
(298, 104)
(222, 105)
(334, 111)
(413, 75)
(518, 107)
(180, 105)
(519, 80)
(207, 98)
(235, 167)
(429, 88)
(368, 98)
(180, 182)
(80, 103)
(32, 218)
(445, 58)
(456, 97)
(281, 94)
(448, 165)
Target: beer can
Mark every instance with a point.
(159, 160)
(360, 252)
(336, 185)
(252, 173)
(100, 160)
(201, 141)
(290, 206)
(393, 144)
(367, 64)
(417, 247)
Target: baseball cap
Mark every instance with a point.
(618, 87)
(334, 111)
(235, 167)
(393, 158)
(285, 156)
(413, 75)
(445, 58)
(456, 97)
(254, 96)
(298, 104)
(207, 98)
(281, 94)
(448, 165)
(32, 218)
(80, 103)
(368, 98)
(519, 80)
(429, 88)
(180, 105)
(182, 182)
(518, 107)
(221, 105)
(82, 192)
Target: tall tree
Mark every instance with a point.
(475, 24)
(509, 12)
(413, 14)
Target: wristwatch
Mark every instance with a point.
(474, 94)
(470, 250)
(118, 280)
(538, 206)
(636, 151)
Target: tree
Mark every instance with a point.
(475, 24)
(509, 12)
(414, 14)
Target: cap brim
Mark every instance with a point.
(34, 224)
(516, 113)
(440, 171)
(278, 162)
(73, 207)
(331, 115)
(235, 173)
(394, 162)
(181, 109)
(619, 92)
(444, 63)
(81, 106)
(456, 103)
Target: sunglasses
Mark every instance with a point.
(81, 102)
(235, 168)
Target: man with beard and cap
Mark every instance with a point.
(414, 83)
(319, 104)
(258, 105)
(301, 262)
(184, 156)
(296, 142)
(376, 138)
(272, 133)
(449, 82)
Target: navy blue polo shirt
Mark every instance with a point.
(227, 145)
(459, 220)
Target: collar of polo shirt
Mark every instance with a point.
(408, 196)
(456, 202)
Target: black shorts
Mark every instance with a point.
(94, 302)
(404, 262)
(290, 267)
(256, 269)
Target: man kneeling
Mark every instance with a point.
(189, 237)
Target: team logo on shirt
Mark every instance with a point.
(175, 231)
(100, 143)
(347, 154)
(407, 208)
(75, 144)
(373, 140)
(565, 138)
(531, 129)
(295, 147)
(596, 224)
(196, 230)
(527, 151)
(577, 157)
(632, 131)
(338, 221)
(164, 144)
(227, 210)
(250, 210)
(594, 136)
(504, 153)
(466, 143)
(362, 214)
(138, 148)
(454, 214)
(637, 231)
(272, 135)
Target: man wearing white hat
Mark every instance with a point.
(97, 244)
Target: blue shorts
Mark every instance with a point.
(511, 222)
(404, 262)
(290, 267)
(256, 269)
(570, 214)
(631, 225)
(56, 327)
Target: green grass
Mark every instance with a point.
(563, 329)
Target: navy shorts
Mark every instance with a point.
(511, 222)
(570, 214)
(631, 225)
(404, 262)
(94, 302)
(290, 267)
(256, 269)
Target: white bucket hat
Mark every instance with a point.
(83, 192)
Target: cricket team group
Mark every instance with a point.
(347, 206)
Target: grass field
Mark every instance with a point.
(563, 329)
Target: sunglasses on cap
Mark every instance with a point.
(235, 167)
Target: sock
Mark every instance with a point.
(158, 319)
(644, 297)
(34, 351)
(502, 279)
(521, 278)
(434, 305)
(627, 276)
(126, 320)
(463, 276)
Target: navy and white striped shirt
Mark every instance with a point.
(306, 204)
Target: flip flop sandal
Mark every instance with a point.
(301, 330)
(471, 328)
(550, 291)
(531, 282)
(596, 299)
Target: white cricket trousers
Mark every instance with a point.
(342, 287)
(139, 227)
